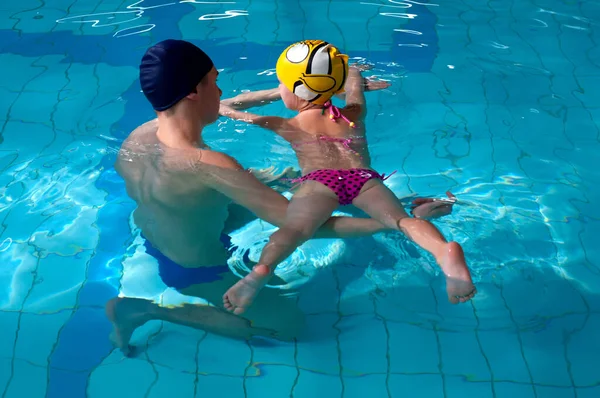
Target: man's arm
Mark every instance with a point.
(224, 174)
(228, 177)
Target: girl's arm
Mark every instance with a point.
(278, 125)
(252, 99)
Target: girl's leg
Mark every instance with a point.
(309, 208)
(379, 202)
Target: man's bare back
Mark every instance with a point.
(182, 219)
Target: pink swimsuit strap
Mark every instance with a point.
(335, 113)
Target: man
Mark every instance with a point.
(184, 191)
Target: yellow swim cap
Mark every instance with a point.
(314, 70)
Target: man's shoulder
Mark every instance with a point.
(142, 133)
(218, 159)
(150, 125)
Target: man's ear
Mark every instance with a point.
(193, 95)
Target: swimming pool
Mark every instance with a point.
(496, 102)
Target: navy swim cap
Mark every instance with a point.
(170, 70)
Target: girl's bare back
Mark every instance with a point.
(324, 143)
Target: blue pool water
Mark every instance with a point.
(497, 101)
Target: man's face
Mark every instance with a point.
(209, 97)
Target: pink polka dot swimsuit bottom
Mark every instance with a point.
(345, 183)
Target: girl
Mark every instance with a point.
(336, 168)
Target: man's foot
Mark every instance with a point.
(241, 295)
(459, 285)
(126, 315)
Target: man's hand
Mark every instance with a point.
(281, 181)
(430, 208)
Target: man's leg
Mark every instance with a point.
(127, 314)
(273, 315)
(271, 310)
